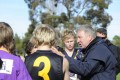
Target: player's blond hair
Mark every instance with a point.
(45, 35)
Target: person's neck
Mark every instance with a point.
(43, 47)
(69, 52)
(4, 49)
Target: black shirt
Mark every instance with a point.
(45, 65)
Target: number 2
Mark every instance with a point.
(44, 72)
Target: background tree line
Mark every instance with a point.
(66, 14)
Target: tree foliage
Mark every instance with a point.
(19, 44)
(67, 13)
(75, 11)
(97, 14)
(116, 40)
(29, 33)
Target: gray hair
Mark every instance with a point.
(88, 30)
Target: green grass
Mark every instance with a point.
(118, 77)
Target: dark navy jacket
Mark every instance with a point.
(98, 62)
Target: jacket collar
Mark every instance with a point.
(95, 41)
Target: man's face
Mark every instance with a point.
(100, 34)
(69, 43)
(83, 39)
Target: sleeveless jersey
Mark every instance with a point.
(45, 65)
(75, 52)
(73, 76)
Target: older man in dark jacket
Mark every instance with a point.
(98, 62)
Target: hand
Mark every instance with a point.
(57, 52)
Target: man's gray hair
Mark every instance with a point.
(87, 29)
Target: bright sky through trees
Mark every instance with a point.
(15, 12)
